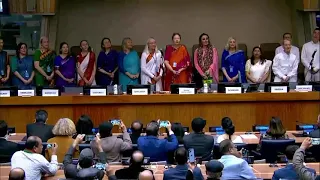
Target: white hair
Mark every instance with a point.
(146, 49)
(227, 47)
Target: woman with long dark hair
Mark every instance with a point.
(229, 130)
(258, 69)
(22, 68)
(86, 65)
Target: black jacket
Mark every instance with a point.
(201, 143)
(43, 131)
(7, 149)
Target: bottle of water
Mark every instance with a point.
(115, 89)
(205, 88)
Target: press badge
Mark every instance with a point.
(231, 69)
(48, 69)
(2, 73)
(174, 64)
(26, 74)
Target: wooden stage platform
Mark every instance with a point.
(244, 109)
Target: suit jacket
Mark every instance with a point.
(201, 143)
(287, 172)
(180, 172)
(43, 131)
(129, 173)
(315, 133)
(7, 149)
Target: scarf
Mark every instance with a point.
(205, 60)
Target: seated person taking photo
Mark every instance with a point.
(136, 130)
(84, 125)
(229, 130)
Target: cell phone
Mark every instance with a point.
(115, 122)
(315, 141)
(49, 146)
(89, 137)
(129, 130)
(163, 124)
(100, 166)
(191, 156)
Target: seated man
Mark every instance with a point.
(234, 166)
(40, 128)
(32, 162)
(17, 174)
(180, 171)
(7, 148)
(213, 170)
(136, 130)
(288, 172)
(135, 167)
(112, 145)
(200, 142)
(155, 148)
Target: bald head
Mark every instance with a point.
(136, 127)
(146, 175)
(136, 159)
(17, 174)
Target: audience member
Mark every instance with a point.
(63, 132)
(155, 148)
(146, 175)
(288, 172)
(40, 128)
(84, 169)
(229, 130)
(200, 142)
(7, 148)
(180, 171)
(178, 132)
(213, 170)
(298, 160)
(135, 167)
(17, 174)
(316, 133)
(136, 130)
(234, 166)
(32, 162)
(84, 125)
(112, 145)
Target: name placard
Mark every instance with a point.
(279, 89)
(5, 93)
(233, 90)
(140, 91)
(26, 93)
(98, 92)
(304, 88)
(187, 90)
(50, 92)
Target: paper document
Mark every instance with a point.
(248, 136)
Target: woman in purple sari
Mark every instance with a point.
(65, 67)
(107, 64)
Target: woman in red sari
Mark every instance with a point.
(178, 64)
(86, 65)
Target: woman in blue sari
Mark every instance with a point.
(107, 64)
(129, 65)
(232, 63)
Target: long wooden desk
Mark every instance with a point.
(244, 109)
(263, 171)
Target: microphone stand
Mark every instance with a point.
(311, 69)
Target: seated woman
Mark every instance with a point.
(84, 125)
(22, 68)
(177, 61)
(86, 65)
(229, 130)
(178, 132)
(63, 131)
(65, 67)
(257, 68)
(232, 63)
(206, 61)
(152, 65)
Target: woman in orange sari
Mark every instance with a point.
(178, 64)
(86, 65)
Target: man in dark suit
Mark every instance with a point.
(316, 133)
(40, 128)
(200, 142)
(7, 148)
(136, 130)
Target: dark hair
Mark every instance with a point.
(32, 142)
(84, 125)
(225, 146)
(276, 128)
(134, 161)
(3, 128)
(18, 49)
(174, 34)
(17, 174)
(287, 33)
(200, 39)
(290, 150)
(60, 47)
(134, 130)
(228, 126)
(89, 48)
(85, 163)
(41, 116)
(105, 129)
(262, 59)
(103, 48)
(316, 29)
(198, 124)
(181, 156)
(178, 132)
(152, 129)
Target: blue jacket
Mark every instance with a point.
(180, 172)
(156, 148)
(287, 172)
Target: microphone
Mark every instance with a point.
(314, 53)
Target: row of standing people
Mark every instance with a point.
(175, 66)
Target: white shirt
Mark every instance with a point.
(306, 54)
(238, 139)
(258, 70)
(294, 50)
(285, 65)
(34, 164)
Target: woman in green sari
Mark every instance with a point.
(43, 63)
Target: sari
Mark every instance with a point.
(152, 66)
(128, 63)
(46, 59)
(67, 67)
(107, 62)
(25, 68)
(234, 65)
(87, 64)
(4, 63)
(178, 58)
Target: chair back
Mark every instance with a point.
(269, 49)
(271, 148)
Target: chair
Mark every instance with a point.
(243, 47)
(268, 50)
(83, 146)
(271, 148)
